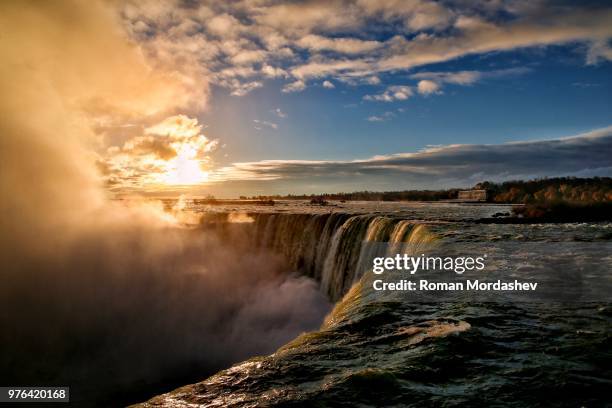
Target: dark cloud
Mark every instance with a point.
(444, 166)
(151, 145)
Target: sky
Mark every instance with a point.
(267, 97)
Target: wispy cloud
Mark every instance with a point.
(241, 89)
(278, 112)
(458, 77)
(599, 50)
(381, 118)
(432, 82)
(260, 123)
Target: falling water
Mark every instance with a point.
(328, 247)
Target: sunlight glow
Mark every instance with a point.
(184, 170)
(171, 153)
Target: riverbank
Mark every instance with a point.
(557, 212)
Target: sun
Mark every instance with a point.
(171, 153)
(184, 169)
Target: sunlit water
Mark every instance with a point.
(380, 349)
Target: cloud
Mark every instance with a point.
(599, 51)
(477, 35)
(339, 45)
(293, 19)
(280, 113)
(164, 56)
(328, 84)
(248, 57)
(391, 94)
(338, 68)
(271, 125)
(241, 89)
(428, 87)
(273, 72)
(415, 15)
(179, 127)
(148, 145)
(296, 86)
(440, 166)
(381, 118)
(458, 77)
(431, 82)
(172, 151)
(223, 25)
(243, 43)
(585, 84)
(65, 84)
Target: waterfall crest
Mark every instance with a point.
(329, 247)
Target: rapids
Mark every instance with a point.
(387, 349)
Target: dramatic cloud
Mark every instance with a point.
(163, 57)
(444, 166)
(238, 45)
(172, 152)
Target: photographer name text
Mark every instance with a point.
(467, 285)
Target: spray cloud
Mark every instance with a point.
(96, 292)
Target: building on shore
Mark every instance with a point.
(472, 195)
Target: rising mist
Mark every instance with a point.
(99, 295)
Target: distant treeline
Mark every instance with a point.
(548, 190)
(562, 211)
(408, 195)
(551, 190)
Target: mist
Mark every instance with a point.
(105, 296)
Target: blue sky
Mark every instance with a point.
(341, 81)
(557, 95)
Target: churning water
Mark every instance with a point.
(390, 349)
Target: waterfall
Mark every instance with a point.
(303, 239)
(330, 247)
(342, 256)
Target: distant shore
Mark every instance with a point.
(555, 212)
(554, 200)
